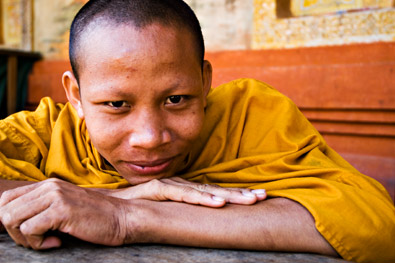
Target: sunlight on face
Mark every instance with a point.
(142, 97)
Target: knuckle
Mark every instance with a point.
(6, 195)
(29, 234)
(202, 187)
(187, 189)
(25, 229)
(158, 189)
(35, 244)
(238, 192)
(159, 186)
(52, 184)
(57, 196)
(155, 183)
(205, 194)
(57, 193)
(6, 219)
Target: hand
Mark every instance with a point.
(178, 189)
(29, 212)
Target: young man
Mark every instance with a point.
(151, 143)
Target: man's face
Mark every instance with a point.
(142, 97)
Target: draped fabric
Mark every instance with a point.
(253, 137)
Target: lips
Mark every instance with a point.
(150, 167)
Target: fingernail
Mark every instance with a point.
(248, 194)
(218, 198)
(259, 191)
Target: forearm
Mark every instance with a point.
(276, 225)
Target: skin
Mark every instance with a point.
(144, 120)
(143, 102)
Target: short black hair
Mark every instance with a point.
(138, 13)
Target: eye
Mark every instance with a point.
(174, 99)
(117, 104)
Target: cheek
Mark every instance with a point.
(189, 127)
(104, 134)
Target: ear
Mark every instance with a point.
(207, 77)
(72, 90)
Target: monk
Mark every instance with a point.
(146, 152)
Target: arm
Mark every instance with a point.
(276, 224)
(168, 189)
(29, 212)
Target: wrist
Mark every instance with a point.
(138, 219)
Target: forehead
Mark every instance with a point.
(102, 38)
(154, 57)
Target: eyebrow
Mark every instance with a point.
(115, 92)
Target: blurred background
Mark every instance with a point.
(334, 58)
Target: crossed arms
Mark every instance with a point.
(169, 211)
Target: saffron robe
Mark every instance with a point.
(253, 136)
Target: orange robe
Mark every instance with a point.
(253, 137)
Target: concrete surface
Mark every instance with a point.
(77, 251)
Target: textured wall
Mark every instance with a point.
(229, 24)
(364, 26)
(52, 21)
(314, 7)
(226, 24)
(236, 25)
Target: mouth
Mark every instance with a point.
(150, 167)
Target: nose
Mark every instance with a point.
(149, 131)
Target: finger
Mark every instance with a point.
(190, 195)
(161, 191)
(178, 193)
(260, 194)
(35, 228)
(11, 195)
(12, 230)
(231, 195)
(50, 242)
(14, 213)
(24, 207)
(242, 196)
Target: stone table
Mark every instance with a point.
(74, 250)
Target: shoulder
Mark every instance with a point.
(40, 121)
(47, 109)
(248, 96)
(245, 86)
(246, 89)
